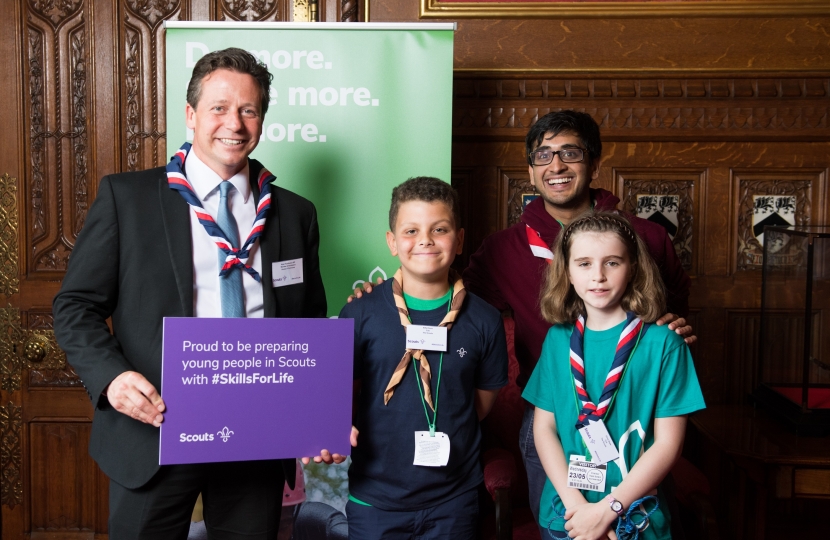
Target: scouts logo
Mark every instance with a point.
(660, 209)
(225, 434)
(773, 211)
(373, 275)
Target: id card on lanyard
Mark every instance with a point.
(591, 426)
(432, 448)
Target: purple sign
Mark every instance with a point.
(247, 389)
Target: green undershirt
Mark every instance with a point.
(426, 305)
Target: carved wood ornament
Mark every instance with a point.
(250, 10)
(750, 250)
(57, 128)
(144, 80)
(683, 191)
(11, 459)
(667, 108)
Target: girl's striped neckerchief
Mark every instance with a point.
(633, 329)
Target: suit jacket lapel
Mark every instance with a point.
(269, 242)
(175, 214)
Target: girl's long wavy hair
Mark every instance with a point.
(645, 294)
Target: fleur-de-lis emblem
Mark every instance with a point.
(225, 434)
(374, 274)
(461, 352)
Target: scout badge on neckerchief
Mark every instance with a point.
(235, 256)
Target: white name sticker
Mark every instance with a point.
(428, 338)
(599, 442)
(287, 272)
(431, 451)
(586, 475)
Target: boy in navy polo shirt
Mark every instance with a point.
(429, 360)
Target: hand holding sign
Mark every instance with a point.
(327, 457)
(132, 394)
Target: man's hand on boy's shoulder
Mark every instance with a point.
(327, 457)
(678, 324)
(367, 288)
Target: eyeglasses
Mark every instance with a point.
(545, 156)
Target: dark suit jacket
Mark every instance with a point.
(133, 262)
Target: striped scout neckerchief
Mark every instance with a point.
(235, 256)
(632, 331)
(458, 295)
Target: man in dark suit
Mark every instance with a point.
(147, 252)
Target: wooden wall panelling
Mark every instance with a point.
(678, 106)
(349, 10)
(514, 184)
(483, 159)
(56, 50)
(669, 197)
(783, 197)
(473, 9)
(253, 10)
(142, 88)
(744, 42)
(60, 484)
(462, 181)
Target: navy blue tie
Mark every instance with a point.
(230, 285)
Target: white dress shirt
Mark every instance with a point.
(205, 182)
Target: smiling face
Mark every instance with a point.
(599, 268)
(226, 122)
(564, 186)
(426, 241)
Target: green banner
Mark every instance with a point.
(355, 110)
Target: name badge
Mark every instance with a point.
(586, 474)
(431, 451)
(428, 338)
(287, 272)
(599, 442)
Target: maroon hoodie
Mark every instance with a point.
(506, 274)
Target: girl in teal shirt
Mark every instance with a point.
(606, 368)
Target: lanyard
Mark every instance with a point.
(437, 384)
(613, 399)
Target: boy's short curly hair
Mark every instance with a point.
(427, 189)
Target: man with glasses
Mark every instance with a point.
(563, 154)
